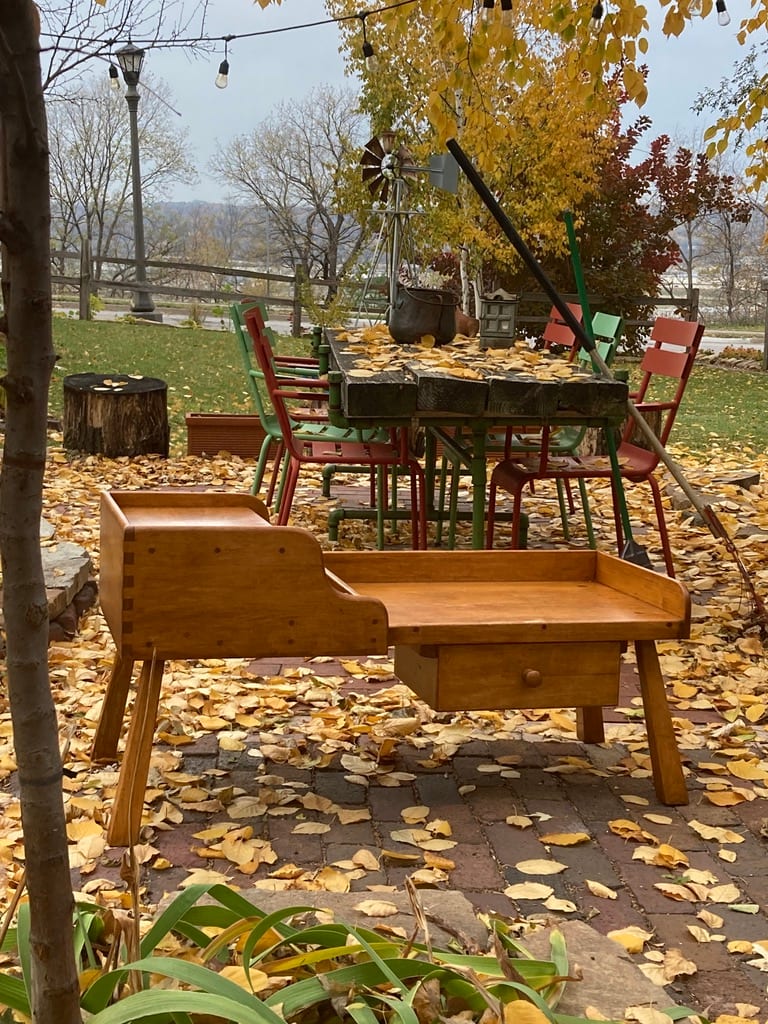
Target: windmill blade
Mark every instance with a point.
(373, 182)
(384, 191)
(369, 173)
(372, 152)
(387, 141)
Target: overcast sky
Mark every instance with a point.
(286, 65)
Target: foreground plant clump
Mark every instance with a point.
(212, 952)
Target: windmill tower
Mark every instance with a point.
(385, 168)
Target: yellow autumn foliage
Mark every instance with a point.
(461, 48)
(516, 97)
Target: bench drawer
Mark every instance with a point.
(475, 677)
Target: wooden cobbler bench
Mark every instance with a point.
(194, 575)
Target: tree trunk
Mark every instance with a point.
(25, 234)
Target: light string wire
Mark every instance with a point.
(191, 40)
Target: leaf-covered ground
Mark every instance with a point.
(237, 747)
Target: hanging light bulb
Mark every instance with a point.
(371, 61)
(723, 17)
(369, 54)
(506, 12)
(488, 5)
(596, 21)
(114, 77)
(222, 78)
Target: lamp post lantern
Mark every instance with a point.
(130, 58)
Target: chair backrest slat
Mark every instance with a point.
(606, 330)
(557, 332)
(663, 362)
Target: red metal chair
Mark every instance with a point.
(557, 332)
(303, 446)
(670, 355)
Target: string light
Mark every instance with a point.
(723, 17)
(369, 54)
(186, 41)
(488, 5)
(222, 79)
(596, 21)
(506, 12)
(114, 77)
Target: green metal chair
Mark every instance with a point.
(273, 435)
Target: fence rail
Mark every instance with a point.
(86, 284)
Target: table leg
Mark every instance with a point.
(479, 470)
(112, 711)
(589, 725)
(665, 757)
(125, 819)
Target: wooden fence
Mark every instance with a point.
(234, 286)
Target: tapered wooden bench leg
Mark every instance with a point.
(125, 820)
(112, 711)
(589, 725)
(668, 777)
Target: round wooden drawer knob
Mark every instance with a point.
(531, 677)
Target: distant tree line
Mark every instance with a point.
(297, 206)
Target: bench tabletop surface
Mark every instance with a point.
(519, 611)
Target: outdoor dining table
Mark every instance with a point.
(457, 386)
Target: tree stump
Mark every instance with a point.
(115, 414)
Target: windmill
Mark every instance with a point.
(385, 167)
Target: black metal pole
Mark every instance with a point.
(529, 259)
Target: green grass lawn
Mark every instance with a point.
(725, 408)
(202, 368)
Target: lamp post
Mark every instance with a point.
(130, 58)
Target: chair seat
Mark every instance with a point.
(356, 451)
(562, 439)
(328, 433)
(635, 463)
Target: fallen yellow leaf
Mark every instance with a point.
(564, 838)
(376, 908)
(632, 938)
(631, 830)
(598, 889)
(520, 1011)
(540, 867)
(560, 905)
(528, 891)
(724, 797)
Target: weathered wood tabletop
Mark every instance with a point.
(459, 385)
(383, 382)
